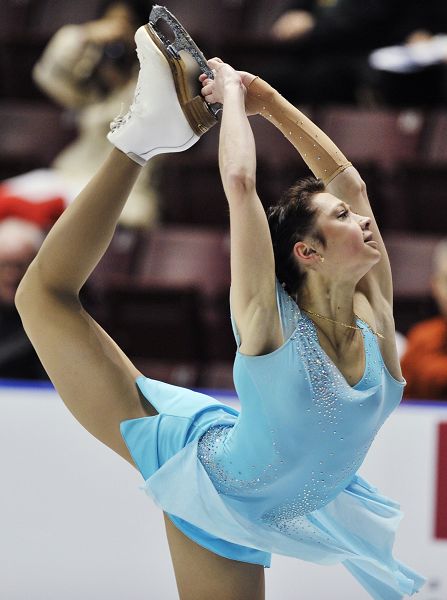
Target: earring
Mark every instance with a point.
(322, 259)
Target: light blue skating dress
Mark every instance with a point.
(281, 476)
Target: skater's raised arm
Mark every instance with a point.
(318, 151)
(328, 163)
(253, 294)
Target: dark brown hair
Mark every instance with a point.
(290, 221)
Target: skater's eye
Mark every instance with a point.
(343, 214)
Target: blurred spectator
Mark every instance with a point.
(19, 244)
(413, 73)
(90, 69)
(424, 363)
(336, 24)
(330, 40)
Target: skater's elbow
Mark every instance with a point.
(27, 291)
(26, 288)
(239, 183)
(34, 288)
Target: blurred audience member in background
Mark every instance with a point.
(91, 69)
(19, 244)
(414, 72)
(330, 41)
(424, 363)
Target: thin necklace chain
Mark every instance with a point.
(314, 314)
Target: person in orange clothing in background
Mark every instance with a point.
(424, 364)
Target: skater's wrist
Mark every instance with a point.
(233, 89)
(260, 95)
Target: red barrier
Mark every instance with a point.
(441, 485)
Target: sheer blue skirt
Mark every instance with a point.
(356, 529)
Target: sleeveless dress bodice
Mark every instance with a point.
(313, 428)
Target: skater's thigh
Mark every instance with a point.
(92, 375)
(201, 574)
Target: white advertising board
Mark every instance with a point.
(74, 524)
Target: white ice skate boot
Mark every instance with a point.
(163, 116)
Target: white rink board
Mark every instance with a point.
(73, 523)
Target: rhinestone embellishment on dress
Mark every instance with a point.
(326, 468)
(257, 478)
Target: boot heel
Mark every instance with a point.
(201, 116)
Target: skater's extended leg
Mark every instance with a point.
(92, 375)
(94, 378)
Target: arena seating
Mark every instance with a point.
(410, 256)
(32, 135)
(179, 277)
(176, 278)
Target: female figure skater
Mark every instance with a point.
(315, 382)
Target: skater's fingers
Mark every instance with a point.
(215, 63)
(206, 81)
(209, 96)
(211, 99)
(208, 87)
(202, 77)
(207, 90)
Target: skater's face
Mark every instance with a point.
(350, 250)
